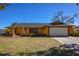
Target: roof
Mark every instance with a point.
(57, 22)
(29, 24)
(35, 24)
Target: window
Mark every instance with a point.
(34, 30)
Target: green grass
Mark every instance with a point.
(16, 45)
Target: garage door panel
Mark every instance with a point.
(58, 31)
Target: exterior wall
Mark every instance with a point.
(45, 30)
(42, 30)
(22, 30)
(27, 31)
(18, 30)
(71, 30)
(8, 31)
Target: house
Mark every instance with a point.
(2, 31)
(40, 29)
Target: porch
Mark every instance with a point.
(27, 31)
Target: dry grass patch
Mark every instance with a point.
(13, 45)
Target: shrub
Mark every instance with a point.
(76, 34)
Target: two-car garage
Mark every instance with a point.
(58, 31)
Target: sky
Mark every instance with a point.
(35, 13)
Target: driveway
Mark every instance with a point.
(67, 40)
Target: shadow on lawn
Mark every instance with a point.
(49, 52)
(55, 52)
(4, 54)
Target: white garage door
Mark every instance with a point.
(58, 31)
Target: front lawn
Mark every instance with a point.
(19, 45)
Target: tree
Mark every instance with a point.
(77, 4)
(60, 19)
(3, 5)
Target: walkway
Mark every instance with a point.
(67, 40)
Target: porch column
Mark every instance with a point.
(23, 30)
(27, 30)
(13, 32)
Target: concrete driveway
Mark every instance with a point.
(67, 40)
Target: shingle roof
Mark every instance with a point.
(35, 24)
(29, 24)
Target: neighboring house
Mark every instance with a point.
(76, 28)
(2, 31)
(40, 29)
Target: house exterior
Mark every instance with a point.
(40, 29)
(2, 31)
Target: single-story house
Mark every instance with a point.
(2, 31)
(40, 29)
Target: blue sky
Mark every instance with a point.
(35, 13)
